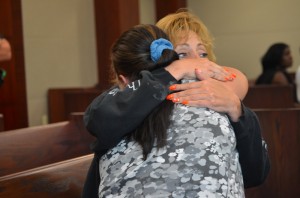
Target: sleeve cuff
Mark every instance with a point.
(164, 76)
(239, 126)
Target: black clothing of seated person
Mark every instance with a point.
(275, 62)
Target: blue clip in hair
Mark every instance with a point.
(158, 46)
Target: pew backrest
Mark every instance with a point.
(64, 179)
(27, 148)
(270, 96)
(1, 123)
(281, 130)
(63, 101)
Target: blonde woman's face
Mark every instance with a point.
(190, 47)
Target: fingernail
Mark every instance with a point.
(185, 102)
(170, 97)
(175, 100)
(172, 87)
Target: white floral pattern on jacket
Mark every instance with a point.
(199, 160)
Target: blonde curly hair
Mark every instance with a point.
(181, 23)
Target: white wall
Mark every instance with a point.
(243, 30)
(60, 49)
(147, 11)
(60, 44)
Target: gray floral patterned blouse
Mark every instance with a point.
(200, 160)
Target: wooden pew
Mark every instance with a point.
(32, 147)
(1, 123)
(60, 180)
(63, 101)
(281, 130)
(270, 96)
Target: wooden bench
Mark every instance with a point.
(281, 130)
(63, 101)
(32, 147)
(1, 123)
(270, 96)
(60, 180)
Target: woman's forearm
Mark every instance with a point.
(185, 69)
(116, 113)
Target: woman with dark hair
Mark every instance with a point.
(275, 62)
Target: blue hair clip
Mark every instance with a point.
(158, 46)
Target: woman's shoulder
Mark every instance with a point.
(268, 76)
(280, 78)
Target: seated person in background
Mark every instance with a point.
(5, 49)
(5, 54)
(275, 63)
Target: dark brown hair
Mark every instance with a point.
(130, 55)
(272, 59)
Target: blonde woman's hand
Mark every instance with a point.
(208, 93)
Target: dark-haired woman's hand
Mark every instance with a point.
(185, 68)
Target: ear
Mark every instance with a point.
(123, 81)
